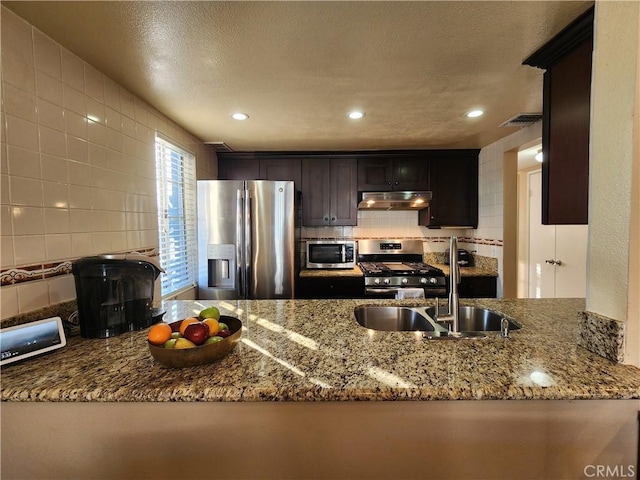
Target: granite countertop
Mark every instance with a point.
(313, 350)
(467, 271)
(337, 272)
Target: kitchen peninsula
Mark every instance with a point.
(308, 384)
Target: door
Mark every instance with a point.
(269, 224)
(557, 253)
(219, 254)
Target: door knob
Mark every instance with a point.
(554, 262)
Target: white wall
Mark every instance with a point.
(612, 282)
(491, 193)
(77, 167)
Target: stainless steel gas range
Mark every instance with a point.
(391, 265)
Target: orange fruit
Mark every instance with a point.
(186, 322)
(213, 324)
(159, 333)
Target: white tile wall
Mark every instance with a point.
(77, 165)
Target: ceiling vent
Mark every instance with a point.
(220, 147)
(523, 120)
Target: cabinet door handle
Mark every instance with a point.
(326, 219)
(389, 182)
(333, 219)
(397, 183)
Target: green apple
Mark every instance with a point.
(223, 326)
(215, 339)
(171, 343)
(210, 312)
(176, 335)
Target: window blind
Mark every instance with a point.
(176, 187)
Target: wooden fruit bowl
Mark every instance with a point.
(200, 355)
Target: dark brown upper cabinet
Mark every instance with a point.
(238, 168)
(454, 184)
(329, 191)
(281, 169)
(567, 60)
(253, 166)
(393, 172)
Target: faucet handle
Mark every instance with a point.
(437, 308)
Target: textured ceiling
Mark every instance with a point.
(297, 68)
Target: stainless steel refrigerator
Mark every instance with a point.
(246, 239)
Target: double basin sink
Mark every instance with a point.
(474, 322)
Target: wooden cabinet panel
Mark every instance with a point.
(234, 168)
(329, 191)
(567, 60)
(343, 191)
(316, 191)
(393, 172)
(477, 287)
(566, 171)
(374, 174)
(330, 287)
(254, 166)
(287, 169)
(454, 183)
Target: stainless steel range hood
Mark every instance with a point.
(395, 200)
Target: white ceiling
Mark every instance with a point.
(297, 68)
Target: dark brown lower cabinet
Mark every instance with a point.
(477, 287)
(330, 287)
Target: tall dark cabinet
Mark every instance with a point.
(454, 183)
(566, 60)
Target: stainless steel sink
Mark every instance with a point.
(392, 319)
(476, 319)
(475, 322)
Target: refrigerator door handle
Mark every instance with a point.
(248, 247)
(239, 244)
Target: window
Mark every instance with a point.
(176, 186)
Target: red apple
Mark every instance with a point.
(197, 332)
(223, 333)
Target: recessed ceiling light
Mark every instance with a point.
(239, 116)
(538, 156)
(475, 113)
(355, 115)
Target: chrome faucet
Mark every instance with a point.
(453, 314)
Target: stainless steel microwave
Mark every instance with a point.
(331, 253)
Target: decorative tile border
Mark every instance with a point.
(28, 273)
(601, 335)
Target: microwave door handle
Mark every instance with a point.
(343, 251)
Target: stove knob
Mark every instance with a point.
(423, 280)
(433, 280)
(387, 281)
(405, 281)
(377, 281)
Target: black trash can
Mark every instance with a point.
(114, 294)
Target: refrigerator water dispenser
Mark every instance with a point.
(221, 260)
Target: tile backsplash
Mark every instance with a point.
(77, 167)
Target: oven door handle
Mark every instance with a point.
(380, 291)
